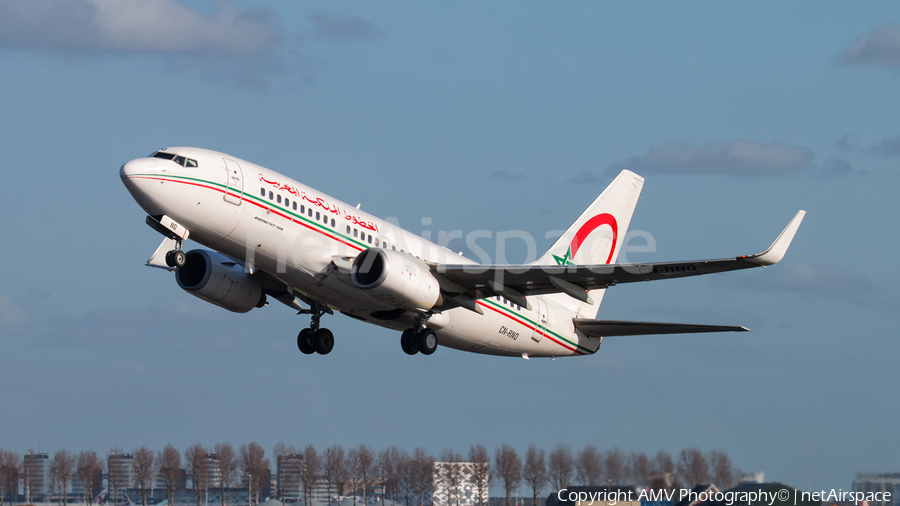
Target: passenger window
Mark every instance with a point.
(295, 205)
(370, 239)
(394, 248)
(271, 195)
(383, 244)
(317, 216)
(325, 219)
(287, 203)
(332, 222)
(262, 191)
(191, 163)
(302, 209)
(309, 212)
(348, 229)
(278, 199)
(355, 232)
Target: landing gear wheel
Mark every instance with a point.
(323, 341)
(175, 258)
(427, 341)
(303, 342)
(408, 342)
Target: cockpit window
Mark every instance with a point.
(180, 160)
(163, 155)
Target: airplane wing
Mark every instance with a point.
(462, 283)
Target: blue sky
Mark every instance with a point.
(497, 116)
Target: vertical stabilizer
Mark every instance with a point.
(596, 236)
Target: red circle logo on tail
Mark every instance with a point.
(591, 225)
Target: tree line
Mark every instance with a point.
(406, 476)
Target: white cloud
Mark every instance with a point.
(736, 158)
(135, 26)
(12, 317)
(878, 47)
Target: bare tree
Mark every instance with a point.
(9, 475)
(535, 471)
(641, 468)
(352, 467)
(509, 468)
(560, 467)
(197, 462)
(169, 461)
(334, 469)
(722, 469)
(407, 476)
(143, 470)
(228, 465)
(664, 471)
(255, 468)
(310, 468)
(89, 471)
(62, 467)
(481, 470)
(423, 475)
(693, 467)
(366, 470)
(616, 462)
(589, 466)
(389, 466)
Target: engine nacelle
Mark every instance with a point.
(397, 279)
(217, 279)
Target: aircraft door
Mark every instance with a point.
(234, 182)
(541, 328)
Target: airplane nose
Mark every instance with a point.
(138, 166)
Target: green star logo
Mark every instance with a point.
(566, 260)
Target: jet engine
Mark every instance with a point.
(218, 279)
(397, 279)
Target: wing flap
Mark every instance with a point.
(612, 328)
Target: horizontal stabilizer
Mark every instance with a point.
(611, 328)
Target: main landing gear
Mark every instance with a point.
(423, 340)
(314, 339)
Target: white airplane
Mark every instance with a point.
(274, 237)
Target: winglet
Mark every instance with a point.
(776, 251)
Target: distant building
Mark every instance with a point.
(36, 476)
(879, 482)
(118, 467)
(288, 478)
(454, 485)
(213, 472)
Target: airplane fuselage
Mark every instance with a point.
(298, 235)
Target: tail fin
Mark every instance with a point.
(596, 236)
(588, 241)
